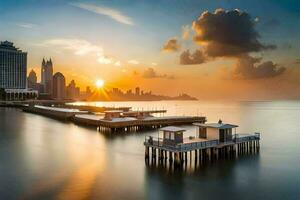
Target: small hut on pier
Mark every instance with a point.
(110, 114)
(216, 131)
(172, 135)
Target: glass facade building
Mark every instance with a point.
(13, 67)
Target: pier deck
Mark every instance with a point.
(114, 120)
(53, 112)
(200, 150)
(198, 143)
(128, 123)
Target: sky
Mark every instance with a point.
(222, 49)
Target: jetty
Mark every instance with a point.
(125, 121)
(53, 112)
(120, 120)
(212, 141)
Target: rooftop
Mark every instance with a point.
(145, 111)
(172, 129)
(8, 46)
(113, 111)
(215, 125)
(66, 110)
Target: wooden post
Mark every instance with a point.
(177, 158)
(170, 156)
(146, 152)
(153, 152)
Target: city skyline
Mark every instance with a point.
(122, 45)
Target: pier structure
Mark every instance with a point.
(212, 142)
(114, 120)
(118, 121)
(53, 112)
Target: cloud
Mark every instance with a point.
(79, 47)
(248, 67)
(231, 34)
(26, 25)
(112, 13)
(134, 62)
(104, 60)
(186, 58)
(118, 63)
(151, 73)
(171, 45)
(227, 33)
(185, 32)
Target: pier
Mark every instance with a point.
(125, 121)
(212, 142)
(53, 112)
(115, 120)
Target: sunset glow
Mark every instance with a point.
(99, 83)
(196, 53)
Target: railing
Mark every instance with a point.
(245, 138)
(198, 145)
(158, 142)
(238, 138)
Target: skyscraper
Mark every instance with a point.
(13, 73)
(73, 92)
(32, 80)
(59, 86)
(47, 76)
(137, 91)
(13, 66)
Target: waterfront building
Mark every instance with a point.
(73, 92)
(59, 86)
(88, 92)
(32, 80)
(13, 73)
(137, 91)
(47, 76)
(13, 66)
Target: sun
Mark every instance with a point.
(99, 83)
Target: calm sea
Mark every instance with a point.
(42, 158)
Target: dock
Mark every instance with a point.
(211, 143)
(53, 112)
(114, 120)
(127, 124)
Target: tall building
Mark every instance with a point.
(13, 73)
(13, 66)
(32, 80)
(59, 86)
(73, 92)
(47, 76)
(88, 92)
(137, 91)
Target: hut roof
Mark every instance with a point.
(216, 125)
(172, 129)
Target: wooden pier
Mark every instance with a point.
(114, 120)
(127, 124)
(178, 150)
(53, 112)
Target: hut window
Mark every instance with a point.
(172, 136)
(167, 135)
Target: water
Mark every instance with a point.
(41, 158)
